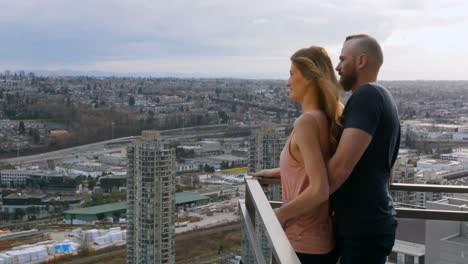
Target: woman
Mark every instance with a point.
(305, 214)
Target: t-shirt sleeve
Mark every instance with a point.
(364, 110)
(397, 146)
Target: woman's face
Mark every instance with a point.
(298, 85)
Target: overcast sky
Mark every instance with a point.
(422, 39)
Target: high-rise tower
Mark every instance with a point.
(151, 200)
(265, 146)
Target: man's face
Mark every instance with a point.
(346, 68)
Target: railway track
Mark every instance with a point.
(112, 252)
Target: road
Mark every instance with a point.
(70, 152)
(114, 145)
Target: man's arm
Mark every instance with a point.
(353, 143)
(392, 175)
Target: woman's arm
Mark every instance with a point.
(268, 173)
(308, 140)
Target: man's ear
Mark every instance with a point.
(362, 61)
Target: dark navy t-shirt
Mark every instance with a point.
(363, 205)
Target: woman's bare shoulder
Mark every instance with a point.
(317, 117)
(306, 122)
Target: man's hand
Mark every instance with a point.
(280, 217)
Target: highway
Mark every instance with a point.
(99, 147)
(114, 145)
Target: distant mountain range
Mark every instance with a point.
(154, 74)
(253, 76)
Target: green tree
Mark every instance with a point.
(100, 217)
(21, 128)
(224, 165)
(131, 101)
(34, 135)
(30, 211)
(116, 216)
(196, 181)
(5, 216)
(91, 182)
(208, 168)
(223, 116)
(19, 213)
(233, 108)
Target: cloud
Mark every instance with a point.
(207, 35)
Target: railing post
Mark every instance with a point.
(251, 252)
(267, 233)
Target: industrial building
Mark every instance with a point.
(89, 215)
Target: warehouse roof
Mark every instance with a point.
(181, 197)
(24, 196)
(99, 209)
(186, 197)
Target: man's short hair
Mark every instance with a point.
(370, 46)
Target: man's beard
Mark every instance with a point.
(349, 80)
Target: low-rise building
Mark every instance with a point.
(111, 182)
(14, 178)
(441, 165)
(116, 159)
(460, 155)
(22, 201)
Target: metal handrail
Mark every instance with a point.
(414, 213)
(430, 214)
(395, 186)
(257, 205)
(428, 188)
(250, 230)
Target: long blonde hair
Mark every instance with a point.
(315, 65)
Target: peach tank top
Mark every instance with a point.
(312, 232)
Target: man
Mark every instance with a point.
(361, 168)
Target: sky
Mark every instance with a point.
(421, 39)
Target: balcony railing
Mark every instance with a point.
(259, 222)
(264, 240)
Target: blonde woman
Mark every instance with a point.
(305, 214)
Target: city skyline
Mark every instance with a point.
(421, 39)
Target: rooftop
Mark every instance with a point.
(409, 248)
(24, 196)
(458, 239)
(439, 161)
(181, 197)
(99, 209)
(226, 157)
(186, 197)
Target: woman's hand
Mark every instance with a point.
(267, 173)
(262, 173)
